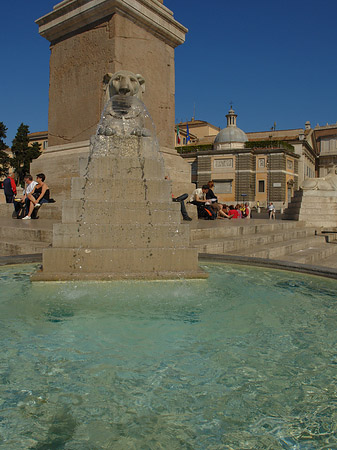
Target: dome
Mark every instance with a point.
(231, 134)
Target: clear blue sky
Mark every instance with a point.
(277, 62)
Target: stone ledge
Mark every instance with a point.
(271, 264)
(20, 259)
(68, 16)
(66, 277)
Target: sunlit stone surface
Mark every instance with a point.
(121, 221)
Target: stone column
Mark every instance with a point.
(90, 38)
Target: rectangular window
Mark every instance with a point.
(261, 185)
(45, 145)
(223, 187)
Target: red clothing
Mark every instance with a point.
(13, 185)
(235, 213)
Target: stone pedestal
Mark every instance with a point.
(90, 38)
(120, 222)
(62, 162)
(315, 207)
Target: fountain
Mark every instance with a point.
(244, 360)
(121, 222)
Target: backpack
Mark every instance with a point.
(209, 214)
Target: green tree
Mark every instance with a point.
(23, 153)
(5, 160)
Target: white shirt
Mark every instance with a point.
(198, 193)
(29, 188)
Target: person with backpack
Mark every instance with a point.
(214, 204)
(199, 199)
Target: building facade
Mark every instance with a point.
(244, 170)
(41, 137)
(325, 141)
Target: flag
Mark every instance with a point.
(188, 138)
(178, 135)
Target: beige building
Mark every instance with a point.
(41, 137)
(325, 142)
(302, 140)
(245, 166)
(198, 131)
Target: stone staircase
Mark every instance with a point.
(281, 240)
(22, 237)
(316, 208)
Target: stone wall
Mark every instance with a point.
(78, 64)
(204, 169)
(277, 177)
(245, 177)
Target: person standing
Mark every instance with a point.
(271, 211)
(9, 188)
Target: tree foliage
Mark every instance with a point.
(23, 153)
(4, 158)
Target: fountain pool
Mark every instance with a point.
(244, 360)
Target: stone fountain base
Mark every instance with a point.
(121, 222)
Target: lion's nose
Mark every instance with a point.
(124, 90)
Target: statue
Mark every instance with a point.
(327, 183)
(124, 113)
(124, 82)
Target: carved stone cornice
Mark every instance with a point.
(70, 15)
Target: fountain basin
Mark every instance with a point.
(245, 359)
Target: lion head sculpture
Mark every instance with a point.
(124, 112)
(124, 82)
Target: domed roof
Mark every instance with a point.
(231, 133)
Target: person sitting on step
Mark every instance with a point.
(198, 198)
(38, 196)
(21, 206)
(182, 199)
(214, 204)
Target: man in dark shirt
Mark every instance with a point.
(9, 188)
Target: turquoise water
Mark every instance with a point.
(244, 360)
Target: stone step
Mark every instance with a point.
(110, 189)
(117, 168)
(276, 251)
(312, 207)
(25, 233)
(20, 237)
(254, 241)
(224, 229)
(330, 261)
(144, 260)
(320, 254)
(21, 247)
(47, 211)
(120, 212)
(127, 236)
(317, 222)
